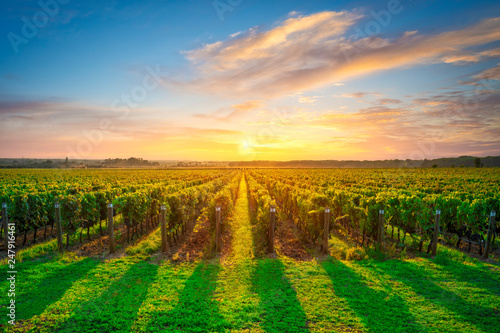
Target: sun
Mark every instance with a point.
(246, 148)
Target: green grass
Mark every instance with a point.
(449, 293)
(116, 308)
(146, 246)
(242, 239)
(278, 299)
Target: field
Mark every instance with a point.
(356, 286)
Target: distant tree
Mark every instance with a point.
(477, 162)
(453, 165)
(434, 165)
(47, 164)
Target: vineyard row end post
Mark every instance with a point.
(326, 231)
(272, 221)
(491, 227)
(380, 233)
(435, 236)
(218, 236)
(163, 221)
(59, 231)
(111, 228)
(5, 223)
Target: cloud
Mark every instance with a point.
(235, 111)
(58, 128)
(248, 105)
(306, 52)
(208, 131)
(489, 74)
(25, 106)
(308, 99)
(461, 57)
(416, 49)
(385, 101)
(361, 95)
(358, 95)
(256, 45)
(450, 123)
(256, 58)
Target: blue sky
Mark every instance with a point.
(247, 79)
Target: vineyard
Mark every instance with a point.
(275, 250)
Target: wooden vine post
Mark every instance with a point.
(435, 236)
(380, 233)
(491, 227)
(272, 221)
(163, 221)
(111, 228)
(218, 236)
(326, 231)
(59, 231)
(5, 223)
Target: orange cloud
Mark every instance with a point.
(308, 99)
(361, 95)
(236, 111)
(253, 45)
(306, 52)
(462, 57)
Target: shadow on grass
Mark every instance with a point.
(377, 310)
(116, 309)
(196, 311)
(24, 267)
(423, 284)
(259, 230)
(259, 234)
(474, 273)
(33, 300)
(278, 300)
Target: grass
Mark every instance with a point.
(242, 240)
(278, 299)
(116, 308)
(75, 294)
(451, 292)
(146, 246)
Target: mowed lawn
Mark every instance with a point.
(448, 293)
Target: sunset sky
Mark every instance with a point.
(250, 80)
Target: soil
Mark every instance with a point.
(288, 243)
(192, 245)
(227, 237)
(29, 238)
